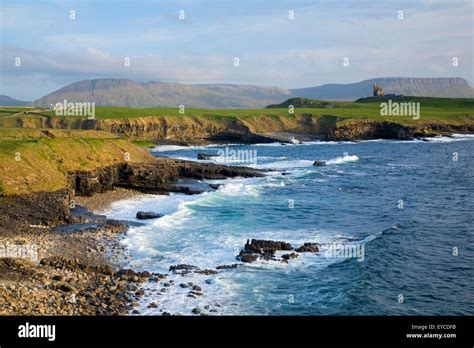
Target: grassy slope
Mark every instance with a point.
(439, 109)
(46, 155)
(44, 161)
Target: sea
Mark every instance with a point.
(394, 220)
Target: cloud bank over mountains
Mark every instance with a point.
(272, 49)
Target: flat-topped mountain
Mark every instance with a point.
(122, 92)
(443, 87)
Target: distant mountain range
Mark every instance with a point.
(115, 92)
(444, 87)
(121, 92)
(5, 100)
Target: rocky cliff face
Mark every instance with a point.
(159, 176)
(155, 176)
(370, 129)
(199, 130)
(185, 129)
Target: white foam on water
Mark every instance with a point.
(269, 144)
(342, 159)
(305, 143)
(466, 136)
(169, 148)
(183, 235)
(165, 148)
(302, 163)
(221, 291)
(239, 188)
(452, 138)
(126, 209)
(291, 164)
(319, 142)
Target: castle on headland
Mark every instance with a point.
(379, 92)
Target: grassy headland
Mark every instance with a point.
(34, 160)
(50, 146)
(447, 109)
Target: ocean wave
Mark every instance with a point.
(269, 144)
(342, 159)
(171, 148)
(285, 164)
(450, 139)
(467, 136)
(306, 143)
(166, 148)
(238, 189)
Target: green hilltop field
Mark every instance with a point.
(50, 145)
(431, 109)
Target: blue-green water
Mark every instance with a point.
(410, 205)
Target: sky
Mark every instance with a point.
(45, 46)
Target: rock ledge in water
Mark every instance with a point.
(146, 215)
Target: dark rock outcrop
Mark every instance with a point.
(205, 156)
(184, 269)
(234, 265)
(319, 163)
(287, 257)
(308, 248)
(42, 208)
(203, 171)
(264, 249)
(145, 215)
(159, 176)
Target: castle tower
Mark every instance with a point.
(378, 91)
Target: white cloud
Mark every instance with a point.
(272, 50)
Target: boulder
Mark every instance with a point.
(66, 287)
(205, 156)
(308, 248)
(247, 257)
(146, 215)
(234, 265)
(265, 249)
(184, 269)
(287, 257)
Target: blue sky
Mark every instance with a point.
(272, 49)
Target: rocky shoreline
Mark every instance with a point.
(57, 258)
(66, 260)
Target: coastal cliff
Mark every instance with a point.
(42, 176)
(253, 127)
